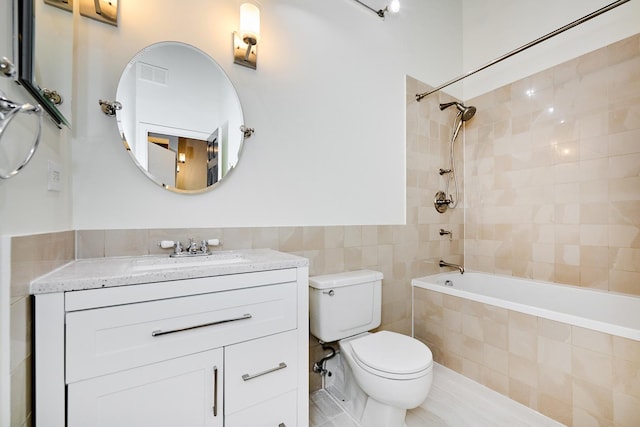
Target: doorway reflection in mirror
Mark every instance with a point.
(182, 162)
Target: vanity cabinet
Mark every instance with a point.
(228, 350)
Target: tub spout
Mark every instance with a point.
(446, 264)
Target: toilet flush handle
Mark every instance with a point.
(329, 292)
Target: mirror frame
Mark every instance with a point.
(24, 34)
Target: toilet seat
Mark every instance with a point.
(392, 355)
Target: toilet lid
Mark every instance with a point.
(392, 352)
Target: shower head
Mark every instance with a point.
(466, 112)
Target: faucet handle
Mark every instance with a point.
(166, 244)
(204, 245)
(213, 242)
(444, 232)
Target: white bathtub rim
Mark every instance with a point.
(428, 282)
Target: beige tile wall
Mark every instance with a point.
(577, 376)
(553, 174)
(31, 256)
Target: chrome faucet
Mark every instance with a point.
(446, 264)
(192, 247)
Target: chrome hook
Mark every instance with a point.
(247, 132)
(52, 95)
(109, 107)
(7, 68)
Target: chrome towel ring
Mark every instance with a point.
(8, 111)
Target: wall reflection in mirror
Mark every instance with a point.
(180, 118)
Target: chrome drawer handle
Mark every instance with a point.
(215, 391)
(247, 377)
(218, 322)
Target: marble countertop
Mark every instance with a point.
(98, 273)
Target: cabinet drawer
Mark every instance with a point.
(280, 411)
(111, 339)
(259, 370)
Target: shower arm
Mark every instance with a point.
(575, 23)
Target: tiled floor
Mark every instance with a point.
(454, 401)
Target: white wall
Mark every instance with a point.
(493, 28)
(327, 102)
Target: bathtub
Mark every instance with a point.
(536, 342)
(608, 312)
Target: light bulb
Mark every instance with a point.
(249, 23)
(394, 6)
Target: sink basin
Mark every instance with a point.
(156, 264)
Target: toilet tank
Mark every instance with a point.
(344, 304)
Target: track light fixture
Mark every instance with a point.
(392, 7)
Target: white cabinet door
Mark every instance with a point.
(186, 392)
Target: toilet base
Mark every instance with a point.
(343, 387)
(366, 411)
(378, 414)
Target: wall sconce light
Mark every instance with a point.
(245, 49)
(392, 7)
(182, 158)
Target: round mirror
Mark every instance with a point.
(181, 118)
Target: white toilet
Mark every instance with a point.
(394, 371)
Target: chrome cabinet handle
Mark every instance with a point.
(247, 377)
(218, 322)
(215, 391)
(282, 425)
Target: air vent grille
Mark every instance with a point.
(152, 73)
